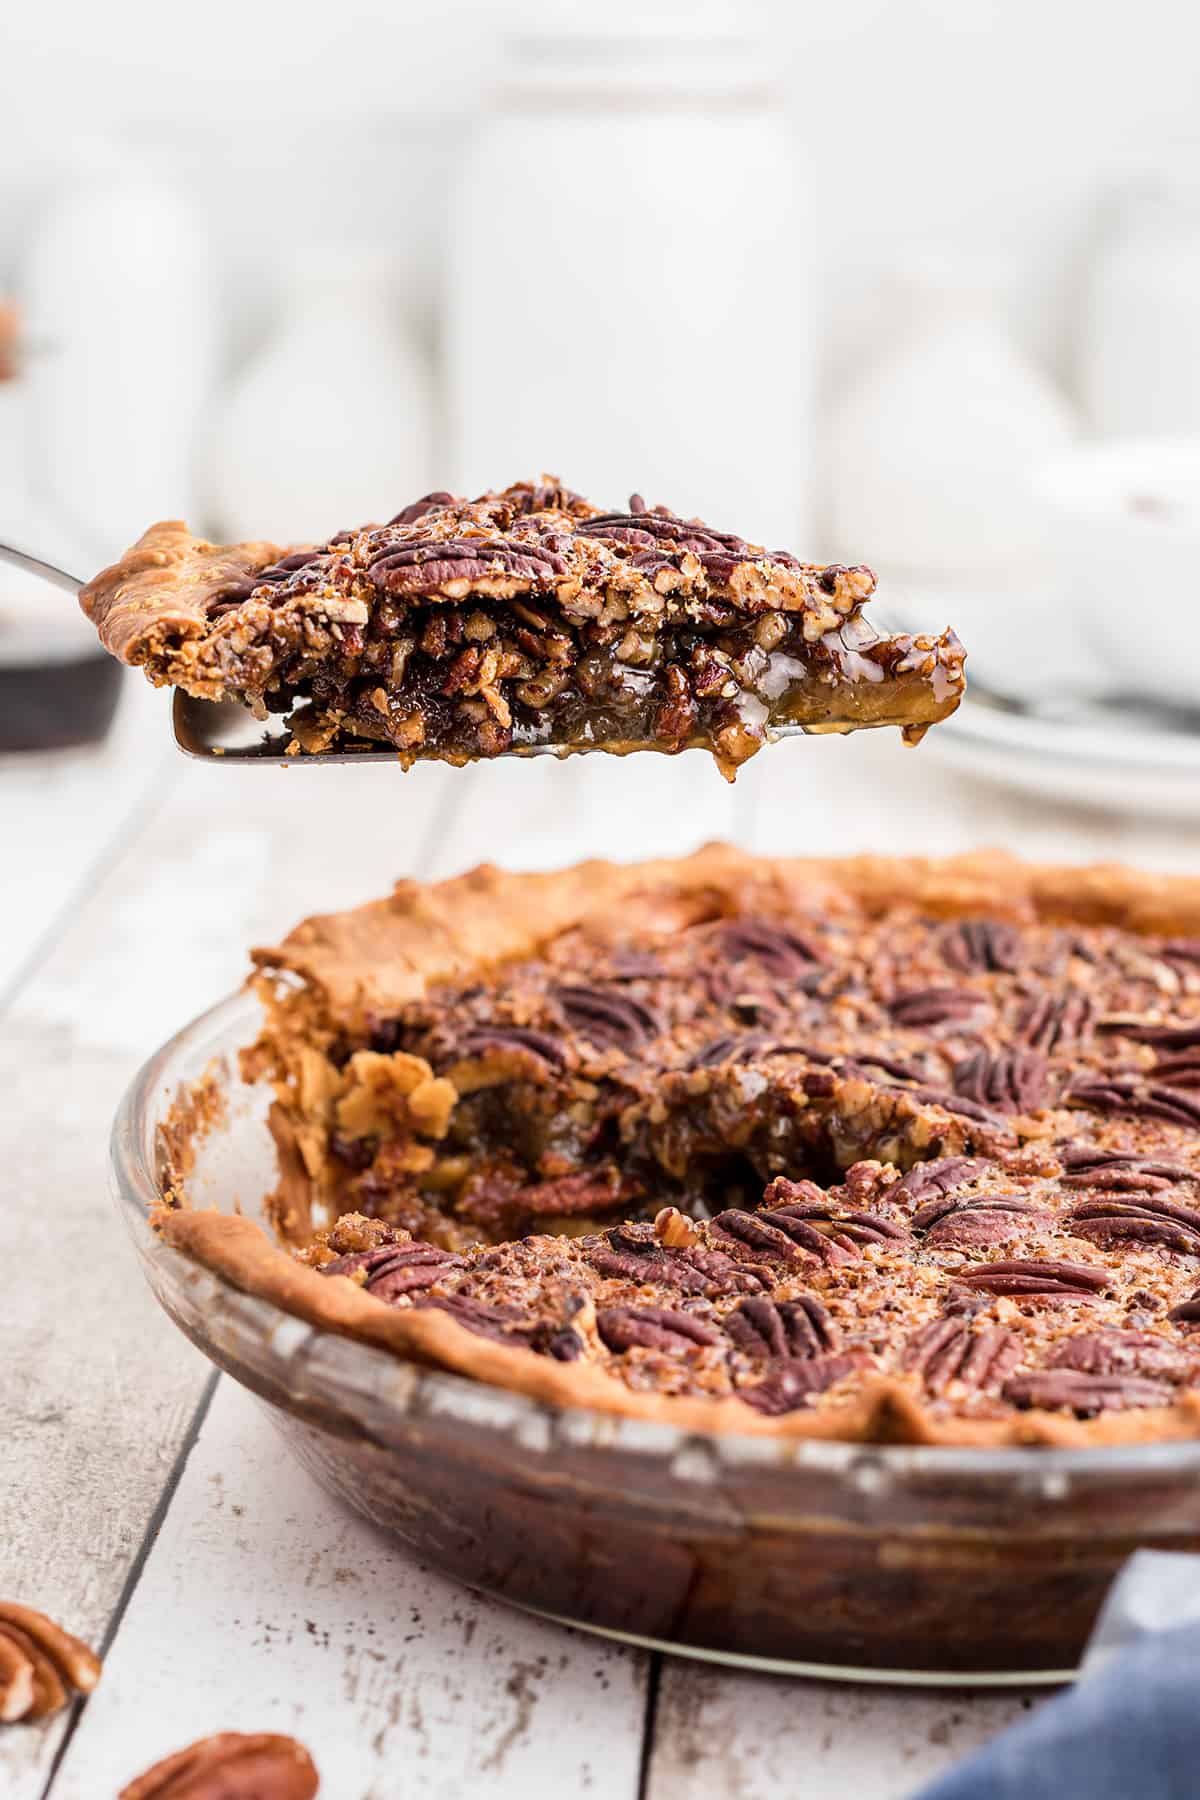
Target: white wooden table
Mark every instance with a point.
(146, 1504)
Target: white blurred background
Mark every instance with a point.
(915, 282)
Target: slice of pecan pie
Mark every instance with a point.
(871, 1148)
(465, 629)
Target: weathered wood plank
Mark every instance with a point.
(63, 815)
(751, 1737)
(267, 1606)
(103, 1389)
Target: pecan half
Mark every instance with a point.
(394, 1270)
(652, 1328)
(1162, 1034)
(1116, 1171)
(984, 945)
(786, 1241)
(948, 1350)
(793, 1328)
(539, 1044)
(1049, 1021)
(607, 1018)
(1008, 1081)
(689, 1271)
(233, 1765)
(849, 1229)
(783, 952)
(1144, 1219)
(1112, 1351)
(935, 1006)
(1061, 1280)
(1129, 1094)
(747, 1232)
(979, 1220)
(793, 1383)
(938, 1177)
(1070, 1390)
(41, 1665)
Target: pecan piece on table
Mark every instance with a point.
(41, 1665)
(1069, 1389)
(233, 1765)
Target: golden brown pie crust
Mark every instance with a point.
(379, 956)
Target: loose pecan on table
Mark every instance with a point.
(233, 1765)
(41, 1665)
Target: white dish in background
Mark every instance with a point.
(1123, 537)
(1117, 756)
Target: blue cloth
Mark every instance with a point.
(1131, 1732)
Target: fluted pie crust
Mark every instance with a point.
(528, 617)
(1018, 1268)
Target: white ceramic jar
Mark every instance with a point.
(628, 302)
(118, 276)
(1140, 339)
(329, 425)
(934, 451)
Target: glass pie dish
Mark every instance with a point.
(853, 1561)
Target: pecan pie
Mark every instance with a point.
(465, 629)
(873, 1148)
